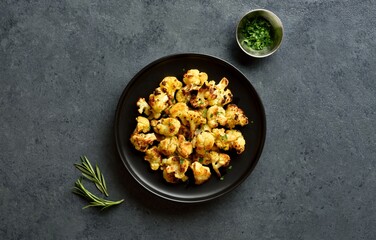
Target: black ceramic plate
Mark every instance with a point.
(245, 97)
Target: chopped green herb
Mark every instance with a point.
(222, 178)
(200, 160)
(204, 112)
(257, 33)
(224, 137)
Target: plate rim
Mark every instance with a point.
(124, 158)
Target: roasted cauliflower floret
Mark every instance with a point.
(170, 85)
(202, 111)
(194, 79)
(143, 125)
(183, 95)
(198, 99)
(209, 90)
(142, 141)
(184, 147)
(178, 110)
(216, 115)
(193, 119)
(168, 145)
(201, 173)
(221, 139)
(143, 106)
(203, 159)
(204, 128)
(186, 132)
(220, 95)
(158, 102)
(169, 176)
(229, 139)
(219, 160)
(154, 158)
(174, 169)
(166, 126)
(235, 116)
(203, 142)
(237, 140)
(187, 117)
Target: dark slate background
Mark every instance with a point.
(64, 65)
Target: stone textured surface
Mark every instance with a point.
(64, 64)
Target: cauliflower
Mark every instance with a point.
(141, 141)
(169, 176)
(143, 125)
(143, 106)
(166, 126)
(237, 140)
(187, 117)
(221, 139)
(158, 102)
(218, 95)
(204, 128)
(184, 147)
(186, 127)
(216, 115)
(194, 79)
(235, 116)
(203, 159)
(202, 111)
(183, 95)
(203, 142)
(201, 173)
(219, 160)
(209, 90)
(198, 99)
(154, 158)
(168, 145)
(170, 85)
(193, 119)
(174, 169)
(229, 139)
(185, 131)
(178, 110)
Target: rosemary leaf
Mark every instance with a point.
(94, 201)
(100, 177)
(95, 176)
(89, 177)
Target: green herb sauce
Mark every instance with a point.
(257, 33)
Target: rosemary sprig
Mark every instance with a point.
(93, 175)
(94, 201)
